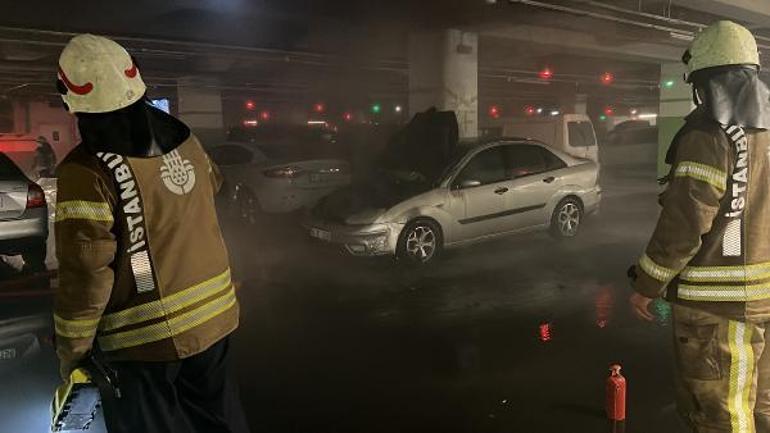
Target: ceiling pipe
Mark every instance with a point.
(613, 18)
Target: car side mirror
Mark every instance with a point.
(469, 184)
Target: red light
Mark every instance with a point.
(545, 74)
(529, 110)
(545, 332)
(494, 112)
(265, 115)
(609, 111)
(319, 107)
(35, 196)
(348, 116)
(607, 78)
(250, 105)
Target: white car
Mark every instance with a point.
(487, 190)
(258, 184)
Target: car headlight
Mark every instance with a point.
(368, 244)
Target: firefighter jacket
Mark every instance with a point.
(143, 267)
(711, 246)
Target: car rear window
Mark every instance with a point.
(581, 134)
(9, 170)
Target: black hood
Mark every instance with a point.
(733, 95)
(139, 130)
(424, 146)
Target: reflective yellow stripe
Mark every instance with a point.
(84, 210)
(702, 172)
(741, 372)
(171, 327)
(655, 270)
(82, 328)
(726, 274)
(741, 293)
(168, 305)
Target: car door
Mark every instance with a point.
(479, 195)
(536, 177)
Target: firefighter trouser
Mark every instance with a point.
(723, 372)
(195, 394)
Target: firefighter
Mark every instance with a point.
(710, 251)
(143, 270)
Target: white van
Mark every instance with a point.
(571, 133)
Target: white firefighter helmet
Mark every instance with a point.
(721, 44)
(97, 75)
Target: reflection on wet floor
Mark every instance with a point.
(512, 335)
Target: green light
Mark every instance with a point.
(376, 108)
(668, 84)
(602, 117)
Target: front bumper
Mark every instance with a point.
(358, 240)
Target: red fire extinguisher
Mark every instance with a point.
(616, 394)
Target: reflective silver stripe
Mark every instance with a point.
(83, 210)
(142, 269)
(80, 328)
(171, 327)
(732, 239)
(724, 293)
(167, 305)
(656, 271)
(726, 274)
(741, 372)
(702, 172)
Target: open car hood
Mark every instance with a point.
(424, 146)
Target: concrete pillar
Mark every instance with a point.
(443, 73)
(574, 104)
(675, 104)
(200, 107)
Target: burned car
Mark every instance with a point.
(432, 192)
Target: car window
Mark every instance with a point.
(231, 155)
(9, 170)
(487, 167)
(581, 134)
(552, 162)
(525, 160)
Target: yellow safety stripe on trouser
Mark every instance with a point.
(168, 305)
(726, 274)
(170, 327)
(82, 328)
(83, 210)
(725, 293)
(741, 377)
(655, 270)
(702, 172)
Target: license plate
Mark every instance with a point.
(321, 234)
(8, 354)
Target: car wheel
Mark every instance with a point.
(566, 219)
(420, 242)
(247, 207)
(34, 259)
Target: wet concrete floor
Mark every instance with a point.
(514, 335)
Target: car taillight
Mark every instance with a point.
(284, 173)
(35, 196)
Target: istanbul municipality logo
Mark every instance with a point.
(178, 174)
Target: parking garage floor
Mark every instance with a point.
(509, 336)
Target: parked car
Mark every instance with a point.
(633, 132)
(21, 339)
(23, 216)
(572, 134)
(266, 179)
(487, 189)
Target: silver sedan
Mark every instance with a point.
(488, 190)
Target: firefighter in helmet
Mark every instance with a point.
(710, 251)
(144, 277)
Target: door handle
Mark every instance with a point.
(501, 191)
(549, 179)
